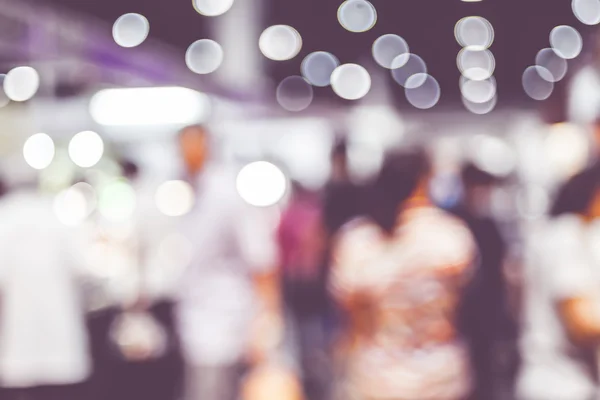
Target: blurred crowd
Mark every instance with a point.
(366, 291)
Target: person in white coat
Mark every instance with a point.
(43, 338)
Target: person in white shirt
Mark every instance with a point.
(232, 269)
(43, 338)
(562, 304)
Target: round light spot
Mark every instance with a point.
(478, 91)
(537, 82)
(86, 149)
(405, 66)
(475, 33)
(21, 83)
(476, 65)
(204, 56)
(294, 93)
(567, 149)
(480, 108)
(317, 68)
(551, 62)
(261, 184)
(212, 8)
(587, 11)
(73, 205)
(117, 201)
(426, 94)
(175, 198)
(280, 42)
(38, 151)
(357, 15)
(387, 48)
(566, 41)
(351, 81)
(493, 155)
(130, 30)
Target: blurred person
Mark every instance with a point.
(485, 320)
(399, 273)
(302, 243)
(562, 309)
(342, 199)
(43, 339)
(230, 276)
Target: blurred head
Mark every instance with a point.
(130, 169)
(193, 143)
(403, 176)
(580, 195)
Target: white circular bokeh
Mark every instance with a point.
(476, 65)
(478, 91)
(175, 198)
(387, 48)
(407, 65)
(317, 68)
(566, 41)
(550, 61)
(130, 30)
(39, 151)
(261, 184)
(280, 42)
(475, 33)
(21, 83)
(357, 15)
(351, 81)
(587, 11)
(86, 149)
(294, 93)
(480, 108)
(537, 82)
(424, 93)
(204, 56)
(212, 8)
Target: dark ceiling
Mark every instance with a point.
(521, 28)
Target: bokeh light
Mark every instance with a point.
(387, 48)
(587, 11)
(317, 68)
(567, 149)
(175, 198)
(537, 82)
(212, 8)
(566, 41)
(475, 33)
(357, 15)
(294, 93)
(551, 62)
(480, 108)
(73, 205)
(86, 149)
(476, 65)
(426, 94)
(351, 81)
(261, 184)
(204, 56)
(21, 83)
(280, 42)
(117, 201)
(130, 30)
(493, 155)
(4, 99)
(38, 151)
(478, 91)
(407, 65)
